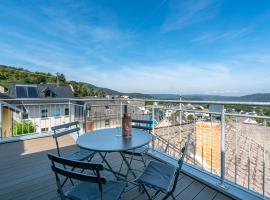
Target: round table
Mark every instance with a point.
(111, 140)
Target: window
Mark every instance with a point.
(26, 92)
(21, 92)
(32, 92)
(44, 113)
(44, 129)
(107, 122)
(56, 112)
(49, 93)
(25, 115)
(66, 111)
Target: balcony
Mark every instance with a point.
(226, 159)
(25, 173)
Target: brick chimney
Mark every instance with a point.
(208, 134)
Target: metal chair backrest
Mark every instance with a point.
(142, 124)
(64, 129)
(181, 161)
(69, 173)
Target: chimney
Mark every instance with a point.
(208, 139)
(72, 89)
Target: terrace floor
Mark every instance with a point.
(25, 173)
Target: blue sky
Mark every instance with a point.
(148, 46)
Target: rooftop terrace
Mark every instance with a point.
(234, 153)
(25, 173)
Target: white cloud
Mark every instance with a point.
(189, 12)
(180, 77)
(162, 77)
(99, 24)
(226, 35)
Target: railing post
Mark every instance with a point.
(222, 160)
(153, 126)
(84, 116)
(121, 114)
(180, 113)
(69, 110)
(121, 110)
(1, 136)
(263, 175)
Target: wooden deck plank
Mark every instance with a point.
(182, 184)
(25, 173)
(220, 196)
(191, 191)
(206, 193)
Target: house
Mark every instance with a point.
(45, 105)
(9, 110)
(40, 91)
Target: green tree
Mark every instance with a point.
(61, 77)
(25, 127)
(190, 117)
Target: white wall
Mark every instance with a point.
(35, 111)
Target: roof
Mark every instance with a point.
(59, 91)
(39, 91)
(7, 101)
(4, 96)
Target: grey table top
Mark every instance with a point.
(110, 140)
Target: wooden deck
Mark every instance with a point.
(25, 173)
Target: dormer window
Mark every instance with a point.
(49, 93)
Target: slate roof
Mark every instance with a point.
(249, 143)
(59, 91)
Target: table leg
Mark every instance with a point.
(128, 165)
(108, 165)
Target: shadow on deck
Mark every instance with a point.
(25, 173)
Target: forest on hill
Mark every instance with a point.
(10, 75)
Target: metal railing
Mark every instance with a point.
(229, 145)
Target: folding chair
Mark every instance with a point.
(138, 153)
(94, 187)
(162, 177)
(65, 129)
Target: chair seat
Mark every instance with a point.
(112, 190)
(138, 151)
(80, 155)
(158, 175)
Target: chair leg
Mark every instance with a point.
(120, 169)
(147, 193)
(167, 195)
(67, 179)
(144, 163)
(156, 193)
(88, 160)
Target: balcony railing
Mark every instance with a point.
(232, 146)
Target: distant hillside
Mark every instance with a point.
(260, 97)
(10, 75)
(165, 96)
(114, 92)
